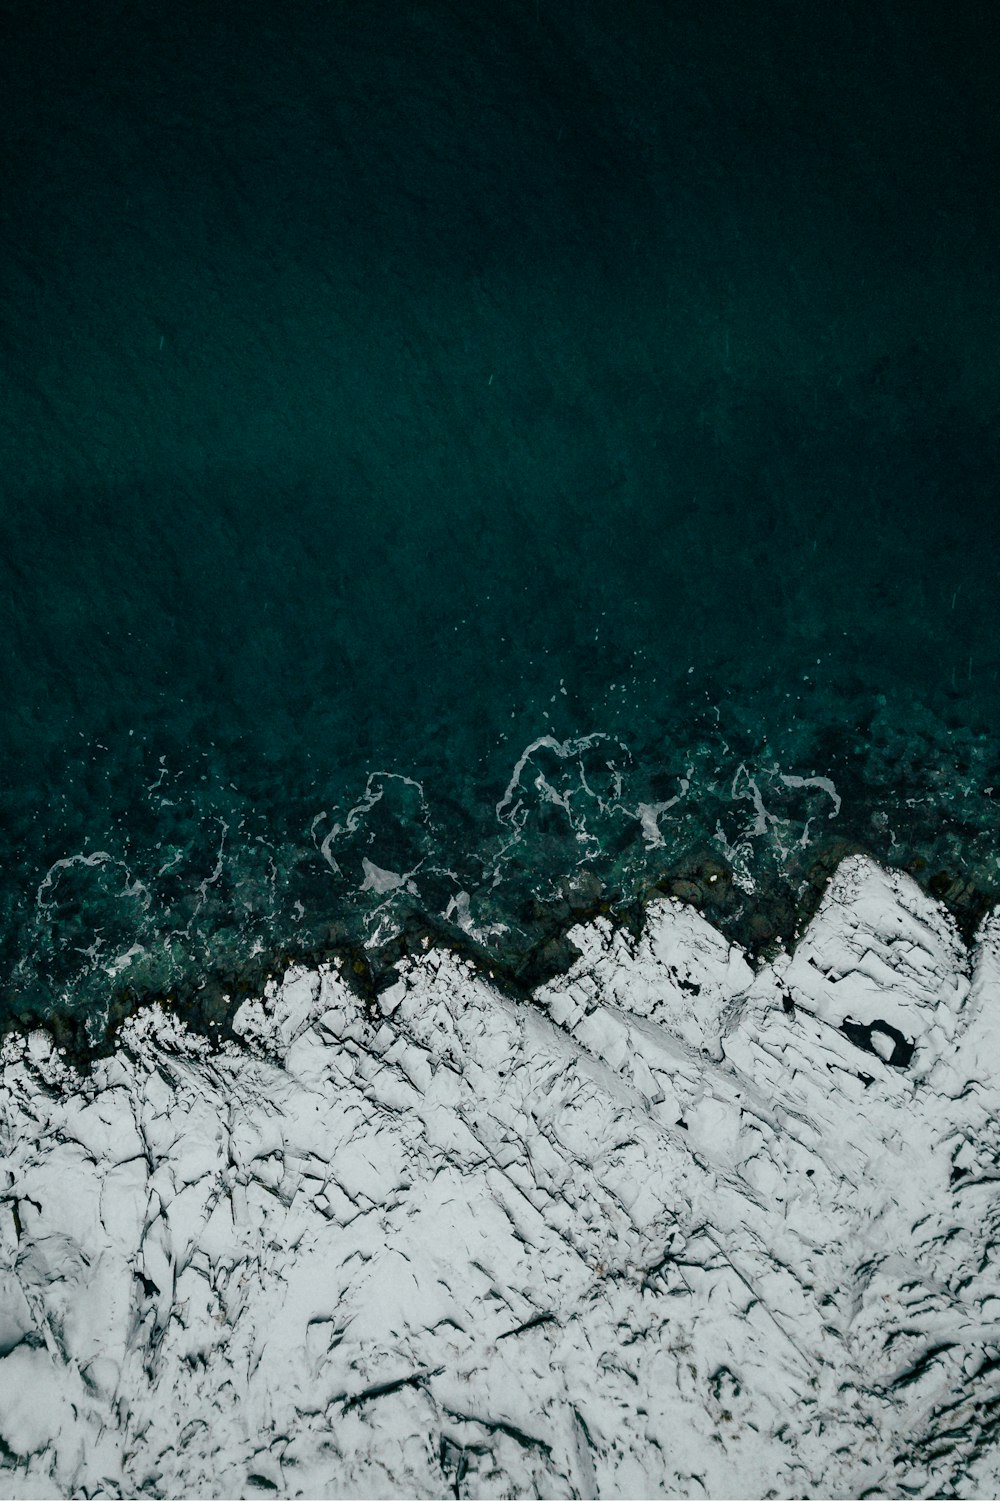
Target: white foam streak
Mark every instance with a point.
(378, 880)
(133, 888)
(99, 857)
(217, 872)
(825, 785)
(175, 858)
(123, 961)
(564, 749)
(749, 790)
(649, 814)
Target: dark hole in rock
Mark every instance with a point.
(882, 1039)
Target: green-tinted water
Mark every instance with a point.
(389, 390)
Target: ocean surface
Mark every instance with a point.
(448, 449)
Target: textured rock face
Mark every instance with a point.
(674, 1228)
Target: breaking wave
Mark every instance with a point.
(199, 876)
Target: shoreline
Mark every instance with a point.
(763, 923)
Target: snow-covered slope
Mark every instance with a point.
(666, 1229)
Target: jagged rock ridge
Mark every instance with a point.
(675, 1228)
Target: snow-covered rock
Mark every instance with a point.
(668, 1227)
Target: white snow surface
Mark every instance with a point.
(650, 1232)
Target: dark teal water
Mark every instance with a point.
(443, 447)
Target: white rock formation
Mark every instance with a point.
(664, 1231)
